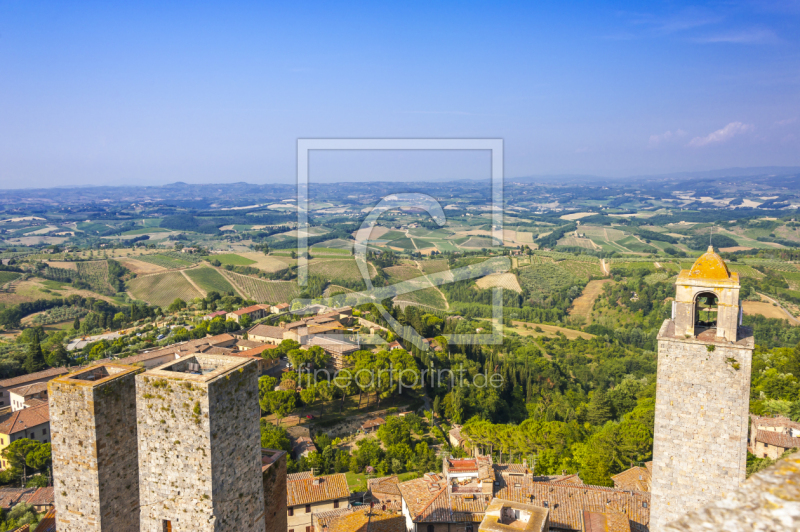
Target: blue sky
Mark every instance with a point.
(157, 92)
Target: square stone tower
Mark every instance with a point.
(702, 394)
(200, 446)
(94, 444)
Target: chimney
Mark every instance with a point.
(316, 481)
(525, 463)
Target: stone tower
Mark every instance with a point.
(94, 445)
(702, 394)
(200, 462)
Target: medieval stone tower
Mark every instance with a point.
(94, 444)
(702, 395)
(200, 462)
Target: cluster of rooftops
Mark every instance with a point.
(491, 497)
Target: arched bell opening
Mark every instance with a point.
(705, 312)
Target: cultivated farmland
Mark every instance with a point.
(162, 289)
(209, 279)
(263, 291)
(233, 259)
(331, 269)
(507, 281)
(169, 260)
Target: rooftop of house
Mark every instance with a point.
(270, 456)
(605, 522)
(777, 421)
(375, 422)
(309, 489)
(428, 500)
(9, 497)
(383, 485)
(363, 519)
(266, 331)
(567, 502)
(29, 389)
(200, 368)
(31, 377)
(510, 516)
(778, 439)
(182, 348)
(255, 352)
(24, 419)
(636, 478)
(97, 375)
(249, 310)
(48, 522)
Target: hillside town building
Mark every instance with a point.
(7, 385)
(308, 495)
(32, 423)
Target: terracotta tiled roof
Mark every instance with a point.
(23, 528)
(255, 352)
(383, 486)
(518, 469)
(42, 497)
(568, 502)
(636, 478)
(428, 500)
(316, 489)
(778, 439)
(378, 421)
(24, 419)
(51, 373)
(778, 421)
(29, 389)
(366, 518)
(34, 401)
(574, 480)
(198, 345)
(267, 331)
(298, 476)
(48, 522)
(248, 310)
(10, 497)
(605, 522)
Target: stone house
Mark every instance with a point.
(636, 478)
(22, 396)
(255, 312)
(32, 423)
(40, 498)
(266, 334)
(15, 382)
(303, 446)
(384, 490)
(372, 425)
(771, 444)
(308, 495)
(360, 519)
(280, 307)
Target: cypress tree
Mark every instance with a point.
(599, 409)
(34, 360)
(76, 324)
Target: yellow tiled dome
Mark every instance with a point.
(710, 266)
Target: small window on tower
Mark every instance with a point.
(167, 526)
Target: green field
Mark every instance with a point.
(233, 259)
(209, 279)
(331, 269)
(162, 289)
(263, 291)
(545, 278)
(167, 260)
(145, 230)
(403, 243)
(430, 297)
(7, 277)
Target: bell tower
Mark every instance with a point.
(702, 393)
(707, 299)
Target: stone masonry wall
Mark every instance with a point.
(274, 481)
(236, 450)
(200, 453)
(701, 416)
(174, 454)
(95, 463)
